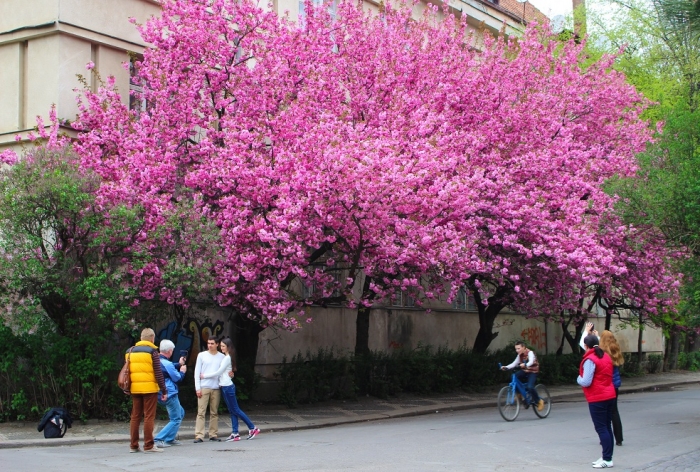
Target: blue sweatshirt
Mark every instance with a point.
(172, 375)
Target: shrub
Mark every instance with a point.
(689, 360)
(424, 370)
(559, 369)
(631, 367)
(654, 363)
(43, 369)
(315, 377)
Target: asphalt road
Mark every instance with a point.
(661, 434)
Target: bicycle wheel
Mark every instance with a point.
(543, 393)
(508, 405)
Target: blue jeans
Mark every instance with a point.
(529, 379)
(176, 413)
(601, 414)
(229, 394)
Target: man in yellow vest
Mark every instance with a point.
(146, 381)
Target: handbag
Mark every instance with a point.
(124, 378)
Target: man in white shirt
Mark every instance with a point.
(207, 391)
(529, 368)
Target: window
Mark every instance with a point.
(404, 298)
(136, 100)
(460, 300)
(409, 300)
(464, 300)
(313, 290)
(332, 8)
(308, 288)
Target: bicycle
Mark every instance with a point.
(510, 396)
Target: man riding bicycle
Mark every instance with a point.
(529, 367)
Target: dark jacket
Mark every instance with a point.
(617, 379)
(51, 428)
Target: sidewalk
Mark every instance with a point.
(277, 418)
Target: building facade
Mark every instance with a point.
(46, 44)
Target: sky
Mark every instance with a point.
(552, 8)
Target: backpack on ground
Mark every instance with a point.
(55, 423)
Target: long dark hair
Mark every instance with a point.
(231, 352)
(591, 341)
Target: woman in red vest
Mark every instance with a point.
(596, 378)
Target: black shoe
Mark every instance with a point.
(198, 440)
(619, 444)
(215, 439)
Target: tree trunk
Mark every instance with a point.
(691, 344)
(487, 316)
(578, 328)
(574, 340)
(675, 344)
(245, 334)
(58, 309)
(640, 340)
(560, 350)
(362, 323)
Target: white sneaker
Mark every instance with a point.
(597, 461)
(153, 449)
(603, 465)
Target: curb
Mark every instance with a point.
(405, 413)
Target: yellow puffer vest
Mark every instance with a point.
(143, 379)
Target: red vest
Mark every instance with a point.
(601, 388)
(535, 367)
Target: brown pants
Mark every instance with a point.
(210, 398)
(144, 406)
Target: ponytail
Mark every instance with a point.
(591, 342)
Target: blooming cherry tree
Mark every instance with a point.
(362, 154)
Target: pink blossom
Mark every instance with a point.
(388, 148)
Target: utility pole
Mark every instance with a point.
(579, 7)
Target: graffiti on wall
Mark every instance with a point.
(535, 336)
(192, 336)
(505, 322)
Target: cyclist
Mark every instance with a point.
(529, 367)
